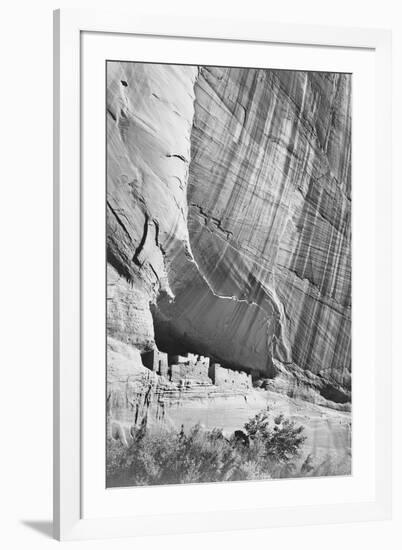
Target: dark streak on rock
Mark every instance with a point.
(142, 242)
(111, 113)
(118, 219)
(157, 241)
(216, 221)
(180, 157)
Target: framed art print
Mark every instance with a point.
(222, 208)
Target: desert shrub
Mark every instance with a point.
(175, 457)
(265, 449)
(281, 439)
(274, 444)
(115, 457)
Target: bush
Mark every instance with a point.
(281, 441)
(264, 449)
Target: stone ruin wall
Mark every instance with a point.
(230, 378)
(190, 367)
(195, 368)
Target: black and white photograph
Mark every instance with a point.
(228, 274)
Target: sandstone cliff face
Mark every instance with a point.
(228, 211)
(269, 218)
(149, 120)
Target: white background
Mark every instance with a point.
(26, 274)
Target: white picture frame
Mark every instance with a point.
(70, 391)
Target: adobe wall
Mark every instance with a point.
(229, 378)
(188, 372)
(196, 368)
(157, 361)
(189, 367)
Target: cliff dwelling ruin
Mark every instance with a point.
(195, 368)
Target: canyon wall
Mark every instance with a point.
(270, 213)
(228, 220)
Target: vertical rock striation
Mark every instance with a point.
(228, 211)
